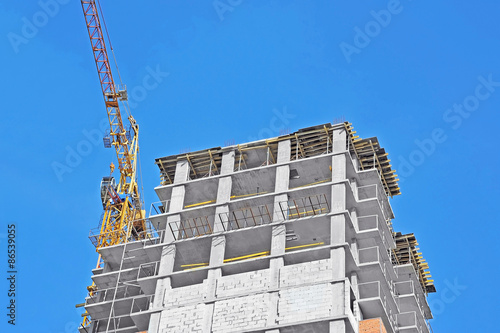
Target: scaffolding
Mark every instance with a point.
(305, 143)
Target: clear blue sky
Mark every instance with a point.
(425, 79)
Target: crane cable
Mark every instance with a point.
(127, 108)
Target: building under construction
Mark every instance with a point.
(287, 234)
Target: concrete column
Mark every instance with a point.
(167, 260)
(354, 187)
(355, 161)
(166, 267)
(217, 250)
(337, 326)
(354, 218)
(338, 198)
(274, 283)
(280, 211)
(181, 171)
(338, 229)
(354, 249)
(177, 199)
(282, 180)
(207, 318)
(227, 165)
(339, 138)
(223, 196)
(338, 254)
(284, 151)
(154, 323)
(176, 205)
(354, 284)
(224, 190)
(273, 310)
(278, 240)
(339, 172)
(211, 288)
(217, 253)
(274, 277)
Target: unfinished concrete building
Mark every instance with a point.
(288, 234)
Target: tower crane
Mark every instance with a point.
(123, 218)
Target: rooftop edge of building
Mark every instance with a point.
(306, 142)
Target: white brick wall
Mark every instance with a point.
(249, 312)
(305, 303)
(256, 281)
(184, 319)
(308, 272)
(184, 295)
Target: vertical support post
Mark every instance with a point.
(354, 284)
(354, 218)
(354, 187)
(338, 232)
(339, 139)
(339, 168)
(224, 191)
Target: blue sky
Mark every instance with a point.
(422, 76)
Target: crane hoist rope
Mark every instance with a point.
(124, 217)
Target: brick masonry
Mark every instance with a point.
(184, 295)
(244, 283)
(372, 326)
(308, 272)
(184, 319)
(305, 303)
(249, 312)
